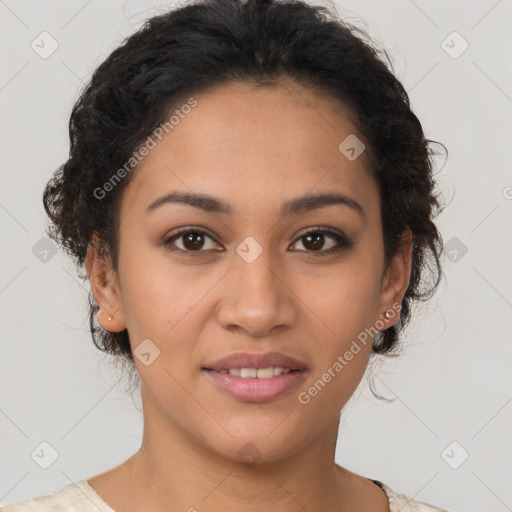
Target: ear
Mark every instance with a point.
(105, 288)
(395, 282)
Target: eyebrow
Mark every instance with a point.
(295, 206)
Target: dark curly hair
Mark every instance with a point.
(262, 42)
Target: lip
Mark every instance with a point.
(253, 389)
(248, 360)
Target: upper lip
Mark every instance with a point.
(248, 360)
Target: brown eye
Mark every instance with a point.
(315, 240)
(192, 240)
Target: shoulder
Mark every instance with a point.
(400, 502)
(76, 497)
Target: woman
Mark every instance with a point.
(252, 199)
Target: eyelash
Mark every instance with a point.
(342, 241)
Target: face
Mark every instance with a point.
(262, 269)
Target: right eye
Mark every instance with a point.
(191, 240)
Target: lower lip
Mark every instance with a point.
(255, 390)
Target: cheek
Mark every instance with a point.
(156, 304)
(167, 303)
(344, 299)
(341, 329)
(342, 344)
(155, 294)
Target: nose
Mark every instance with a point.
(256, 298)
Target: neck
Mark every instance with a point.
(174, 471)
(180, 472)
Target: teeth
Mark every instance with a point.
(247, 373)
(260, 373)
(267, 373)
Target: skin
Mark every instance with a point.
(254, 149)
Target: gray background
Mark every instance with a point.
(453, 382)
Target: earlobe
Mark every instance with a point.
(105, 289)
(395, 282)
(109, 321)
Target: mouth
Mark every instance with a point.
(270, 372)
(255, 378)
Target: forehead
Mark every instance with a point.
(253, 144)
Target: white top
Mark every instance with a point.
(81, 497)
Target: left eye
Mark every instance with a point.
(314, 241)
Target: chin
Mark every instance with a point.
(256, 446)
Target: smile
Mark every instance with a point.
(255, 385)
(260, 373)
